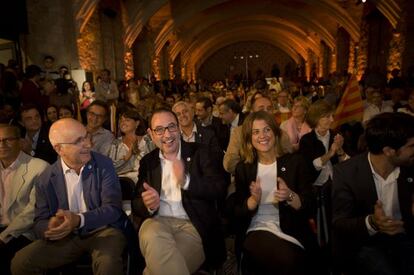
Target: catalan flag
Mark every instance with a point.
(351, 106)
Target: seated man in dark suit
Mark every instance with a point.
(78, 208)
(35, 132)
(177, 189)
(18, 172)
(373, 201)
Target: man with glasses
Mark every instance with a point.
(102, 138)
(178, 185)
(18, 172)
(78, 208)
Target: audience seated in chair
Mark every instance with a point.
(18, 171)
(373, 201)
(96, 115)
(177, 190)
(78, 208)
(272, 203)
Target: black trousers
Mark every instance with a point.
(8, 250)
(265, 253)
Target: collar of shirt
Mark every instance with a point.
(208, 121)
(34, 139)
(160, 154)
(67, 169)
(190, 138)
(324, 139)
(235, 122)
(15, 164)
(98, 132)
(391, 177)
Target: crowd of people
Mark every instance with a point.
(257, 161)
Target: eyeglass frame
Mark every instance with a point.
(79, 141)
(8, 140)
(101, 116)
(160, 130)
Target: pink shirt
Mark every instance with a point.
(294, 132)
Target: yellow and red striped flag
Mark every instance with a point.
(351, 106)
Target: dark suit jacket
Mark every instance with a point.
(311, 148)
(207, 136)
(101, 190)
(353, 198)
(221, 132)
(293, 170)
(199, 200)
(44, 149)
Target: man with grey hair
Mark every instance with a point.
(192, 131)
(78, 208)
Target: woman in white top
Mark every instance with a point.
(127, 150)
(272, 202)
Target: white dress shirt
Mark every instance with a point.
(74, 189)
(190, 138)
(170, 198)
(387, 193)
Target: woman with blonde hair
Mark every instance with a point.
(322, 149)
(296, 126)
(272, 202)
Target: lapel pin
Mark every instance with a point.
(410, 180)
(89, 166)
(283, 169)
(188, 159)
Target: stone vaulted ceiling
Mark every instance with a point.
(195, 29)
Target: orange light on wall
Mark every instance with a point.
(171, 70)
(395, 53)
(156, 67)
(129, 64)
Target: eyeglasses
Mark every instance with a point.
(161, 130)
(8, 140)
(95, 115)
(80, 141)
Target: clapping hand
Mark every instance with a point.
(255, 194)
(386, 224)
(283, 191)
(337, 144)
(150, 197)
(61, 225)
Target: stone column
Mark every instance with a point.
(90, 45)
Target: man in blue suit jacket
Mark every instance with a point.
(78, 208)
